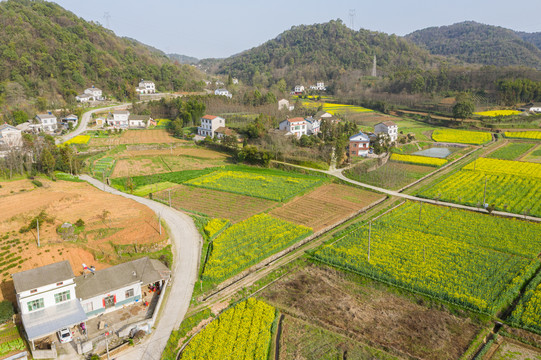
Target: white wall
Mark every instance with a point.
(96, 302)
(45, 292)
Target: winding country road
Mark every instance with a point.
(186, 242)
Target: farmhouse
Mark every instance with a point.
(119, 119)
(359, 145)
(320, 86)
(51, 298)
(388, 128)
(83, 98)
(299, 89)
(146, 87)
(138, 121)
(223, 92)
(47, 122)
(223, 131)
(209, 124)
(94, 92)
(71, 118)
(314, 125)
(295, 126)
(10, 137)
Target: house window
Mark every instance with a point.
(129, 293)
(61, 297)
(35, 304)
(109, 301)
(33, 291)
(59, 283)
(88, 307)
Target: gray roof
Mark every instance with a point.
(40, 323)
(359, 137)
(139, 117)
(144, 270)
(45, 116)
(43, 275)
(122, 112)
(7, 126)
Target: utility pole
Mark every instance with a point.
(369, 234)
(160, 222)
(169, 197)
(107, 344)
(420, 208)
(37, 224)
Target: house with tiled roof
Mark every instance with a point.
(296, 126)
(209, 125)
(10, 136)
(388, 128)
(359, 145)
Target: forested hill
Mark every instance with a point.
(47, 51)
(473, 42)
(323, 51)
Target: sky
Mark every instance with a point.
(212, 28)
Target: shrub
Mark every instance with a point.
(6, 311)
(37, 183)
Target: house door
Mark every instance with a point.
(109, 301)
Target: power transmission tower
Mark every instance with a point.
(107, 18)
(374, 71)
(352, 18)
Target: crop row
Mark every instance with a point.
(419, 160)
(528, 311)
(260, 185)
(511, 151)
(461, 136)
(437, 258)
(248, 242)
(505, 167)
(494, 113)
(241, 332)
(535, 135)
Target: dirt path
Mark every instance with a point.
(186, 248)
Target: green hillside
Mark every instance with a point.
(477, 43)
(47, 51)
(323, 51)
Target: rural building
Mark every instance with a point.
(138, 121)
(299, 89)
(71, 118)
(223, 131)
(51, 298)
(235, 81)
(314, 125)
(359, 145)
(47, 122)
(94, 92)
(146, 87)
(388, 128)
(207, 82)
(320, 86)
(47, 300)
(209, 124)
(223, 92)
(119, 119)
(320, 115)
(283, 104)
(10, 137)
(295, 126)
(83, 98)
(101, 122)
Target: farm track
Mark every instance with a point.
(186, 249)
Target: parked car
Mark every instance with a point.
(64, 335)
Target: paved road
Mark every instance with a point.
(83, 123)
(338, 173)
(187, 248)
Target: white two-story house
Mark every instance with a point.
(223, 92)
(209, 125)
(146, 87)
(314, 125)
(10, 137)
(94, 92)
(388, 128)
(47, 299)
(296, 126)
(119, 119)
(47, 122)
(299, 89)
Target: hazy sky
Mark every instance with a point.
(212, 28)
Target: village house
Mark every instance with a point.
(119, 119)
(359, 145)
(283, 104)
(95, 93)
(146, 87)
(314, 125)
(71, 118)
(299, 89)
(51, 297)
(235, 81)
(10, 137)
(223, 92)
(531, 107)
(295, 126)
(223, 131)
(138, 121)
(388, 128)
(209, 124)
(101, 122)
(47, 122)
(83, 98)
(320, 86)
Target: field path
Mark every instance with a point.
(186, 249)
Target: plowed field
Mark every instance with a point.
(137, 137)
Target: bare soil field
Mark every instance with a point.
(513, 350)
(176, 151)
(370, 118)
(109, 220)
(325, 206)
(216, 204)
(137, 137)
(371, 313)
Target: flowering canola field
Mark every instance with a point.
(420, 160)
(469, 259)
(261, 185)
(247, 243)
(241, 332)
(535, 135)
(493, 113)
(79, 139)
(335, 109)
(512, 186)
(528, 311)
(461, 136)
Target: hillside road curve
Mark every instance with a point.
(186, 242)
